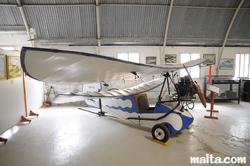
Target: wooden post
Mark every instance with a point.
(24, 95)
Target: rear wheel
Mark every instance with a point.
(160, 132)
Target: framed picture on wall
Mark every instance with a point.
(210, 59)
(14, 69)
(226, 63)
(3, 72)
(151, 60)
(170, 58)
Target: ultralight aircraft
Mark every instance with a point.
(130, 104)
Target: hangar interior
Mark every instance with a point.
(154, 30)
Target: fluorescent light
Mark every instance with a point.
(7, 48)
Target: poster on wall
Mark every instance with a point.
(226, 63)
(170, 58)
(210, 59)
(3, 73)
(14, 69)
(151, 60)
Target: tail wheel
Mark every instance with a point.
(160, 132)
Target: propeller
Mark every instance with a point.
(200, 94)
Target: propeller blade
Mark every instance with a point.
(200, 94)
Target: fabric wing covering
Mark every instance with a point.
(69, 67)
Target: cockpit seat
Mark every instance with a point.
(143, 106)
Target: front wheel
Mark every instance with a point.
(160, 132)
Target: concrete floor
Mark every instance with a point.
(65, 135)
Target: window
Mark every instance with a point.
(194, 71)
(132, 57)
(242, 68)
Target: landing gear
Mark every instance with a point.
(160, 132)
(47, 101)
(100, 113)
(190, 103)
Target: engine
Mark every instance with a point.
(185, 86)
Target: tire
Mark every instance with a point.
(160, 132)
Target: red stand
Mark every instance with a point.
(44, 104)
(33, 114)
(23, 119)
(3, 140)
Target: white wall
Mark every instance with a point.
(11, 103)
(12, 98)
(34, 93)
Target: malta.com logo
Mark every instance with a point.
(210, 159)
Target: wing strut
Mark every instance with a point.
(166, 78)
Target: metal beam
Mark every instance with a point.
(9, 5)
(29, 38)
(24, 20)
(19, 30)
(141, 38)
(166, 29)
(98, 26)
(227, 33)
(125, 4)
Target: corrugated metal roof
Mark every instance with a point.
(241, 26)
(199, 23)
(246, 4)
(13, 2)
(208, 3)
(132, 22)
(10, 16)
(62, 21)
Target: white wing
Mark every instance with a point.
(69, 67)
